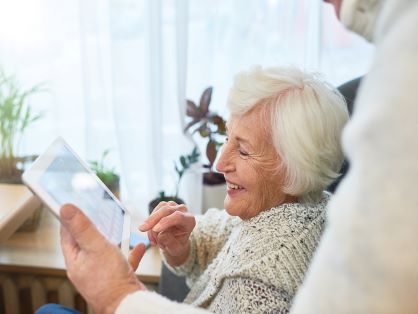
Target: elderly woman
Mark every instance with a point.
(282, 151)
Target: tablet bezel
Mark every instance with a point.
(32, 176)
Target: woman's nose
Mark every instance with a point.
(224, 163)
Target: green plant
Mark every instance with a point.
(184, 163)
(207, 124)
(106, 174)
(16, 116)
(210, 126)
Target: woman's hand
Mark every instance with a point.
(169, 226)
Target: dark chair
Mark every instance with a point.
(349, 91)
(172, 286)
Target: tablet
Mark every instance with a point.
(59, 176)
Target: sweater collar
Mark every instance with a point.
(287, 208)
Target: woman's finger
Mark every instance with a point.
(157, 215)
(177, 219)
(151, 237)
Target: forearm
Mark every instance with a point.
(204, 243)
(180, 259)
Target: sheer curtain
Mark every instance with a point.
(117, 72)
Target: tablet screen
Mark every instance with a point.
(67, 181)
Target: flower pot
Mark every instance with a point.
(190, 189)
(213, 196)
(214, 191)
(11, 169)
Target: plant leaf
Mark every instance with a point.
(183, 161)
(190, 124)
(192, 110)
(205, 101)
(211, 152)
(204, 130)
(220, 123)
(195, 154)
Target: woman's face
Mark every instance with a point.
(251, 167)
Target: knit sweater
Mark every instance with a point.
(243, 266)
(255, 265)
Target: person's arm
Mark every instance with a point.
(97, 268)
(102, 275)
(208, 237)
(367, 259)
(169, 226)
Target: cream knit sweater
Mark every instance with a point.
(236, 266)
(252, 266)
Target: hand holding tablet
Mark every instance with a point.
(59, 176)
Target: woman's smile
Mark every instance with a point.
(234, 189)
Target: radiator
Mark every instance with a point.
(23, 293)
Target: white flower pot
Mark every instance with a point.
(213, 196)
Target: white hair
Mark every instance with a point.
(307, 116)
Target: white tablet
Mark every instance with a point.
(59, 176)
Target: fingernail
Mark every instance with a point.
(142, 226)
(67, 212)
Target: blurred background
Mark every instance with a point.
(116, 73)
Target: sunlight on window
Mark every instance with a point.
(19, 19)
(99, 62)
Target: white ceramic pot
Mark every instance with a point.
(190, 189)
(213, 196)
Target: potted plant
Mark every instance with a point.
(16, 116)
(107, 174)
(181, 166)
(212, 128)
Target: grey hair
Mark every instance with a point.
(307, 116)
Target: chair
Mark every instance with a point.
(349, 91)
(172, 286)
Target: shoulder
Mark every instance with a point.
(291, 219)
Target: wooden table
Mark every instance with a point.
(38, 255)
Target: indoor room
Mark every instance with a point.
(188, 155)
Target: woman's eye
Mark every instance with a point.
(243, 153)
